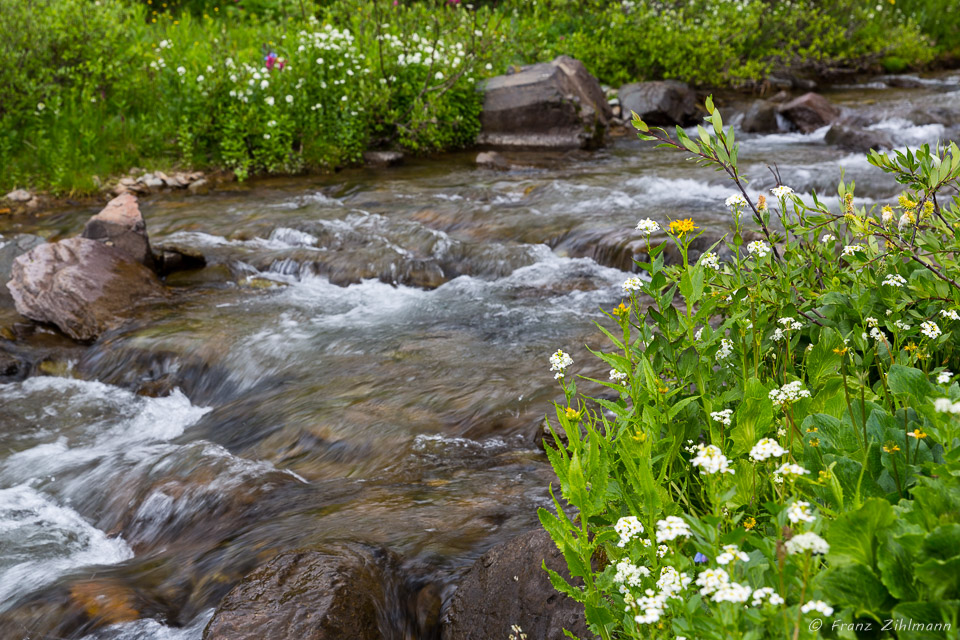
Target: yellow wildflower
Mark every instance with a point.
(841, 351)
(749, 523)
(814, 442)
(917, 433)
(682, 227)
(572, 413)
(891, 448)
(906, 203)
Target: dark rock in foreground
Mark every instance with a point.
(809, 112)
(549, 105)
(82, 286)
(858, 140)
(660, 103)
(507, 586)
(309, 595)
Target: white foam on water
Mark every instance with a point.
(293, 237)
(41, 541)
(907, 134)
(150, 629)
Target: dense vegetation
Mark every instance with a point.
(90, 89)
(782, 459)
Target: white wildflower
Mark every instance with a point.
(930, 329)
(732, 592)
(851, 249)
(559, 363)
(819, 606)
(671, 528)
(789, 470)
(710, 580)
(949, 314)
(807, 542)
(710, 260)
(799, 511)
(648, 226)
(617, 376)
(726, 348)
(672, 582)
(766, 592)
(765, 449)
(723, 417)
(828, 237)
(759, 247)
(944, 377)
(711, 460)
(788, 393)
(736, 201)
(630, 574)
(781, 191)
(269, 100)
(731, 553)
(894, 280)
(627, 528)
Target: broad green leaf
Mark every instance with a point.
(855, 585)
(853, 536)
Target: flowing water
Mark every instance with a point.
(363, 359)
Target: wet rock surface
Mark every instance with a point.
(507, 586)
(761, 117)
(857, 139)
(10, 249)
(554, 104)
(80, 285)
(810, 111)
(660, 103)
(310, 595)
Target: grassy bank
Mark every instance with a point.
(88, 90)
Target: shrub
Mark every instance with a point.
(784, 443)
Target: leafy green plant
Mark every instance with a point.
(774, 395)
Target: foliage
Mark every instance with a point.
(809, 470)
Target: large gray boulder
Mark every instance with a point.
(549, 105)
(810, 111)
(662, 103)
(82, 286)
(308, 595)
(507, 586)
(120, 224)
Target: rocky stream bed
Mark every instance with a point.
(318, 414)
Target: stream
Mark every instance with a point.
(364, 359)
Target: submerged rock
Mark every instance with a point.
(10, 249)
(507, 586)
(856, 139)
(309, 595)
(810, 111)
(121, 225)
(383, 158)
(660, 103)
(554, 104)
(82, 286)
(492, 160)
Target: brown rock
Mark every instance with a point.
(810, 112)
(383, 158)
(308, 595)
(121, 225)
(761, 117)
(82, 286)
(492, 160)
(507, 586)
(554, 104)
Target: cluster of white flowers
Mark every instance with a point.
(781, 191)
(819, 606)
(790, 323)
(759, 247)
(628, 528)
(711, 460)
(930, 329)
(731, 553)
(807, 542)
(617, 376)
(710, 260)
(632, 284)
(799, 511)
(765, 449)
(828, 237)
(949, 314)
(672, 582)
(710, 580)
(886, 215)
(788, 393)
(894, 280)
(778, 335)
(723, 416)
(766, 592)
(559, 363)
(944, 376)
(732, 592)
(945, 405)
(736, 201)
(789, 470)
(851, 249)
(629, 574)
(671, 528)
(871, 321)
(726, 348)
(877, 335)
(648, 226)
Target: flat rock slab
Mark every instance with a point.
(507, 586)
(82, 286)
(554, 104)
